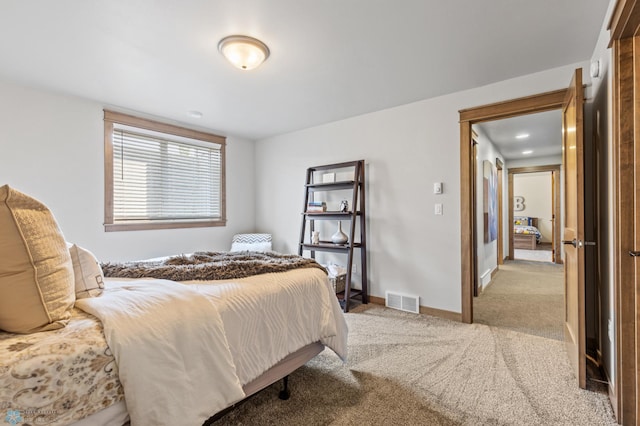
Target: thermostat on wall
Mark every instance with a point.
(437, 188)
(595, 69)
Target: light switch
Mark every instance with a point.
(437, 188)
(438, 209)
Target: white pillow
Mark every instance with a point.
(89, 278)
(257, 247)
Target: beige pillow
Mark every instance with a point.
(87, 272)
(36, 273)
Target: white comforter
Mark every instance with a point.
(184, 351)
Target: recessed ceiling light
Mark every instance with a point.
(522, 136)
(194, 114)
(527, 152)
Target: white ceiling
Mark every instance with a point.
(544, 130)
(330, 59)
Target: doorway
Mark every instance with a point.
(537, 103)
(548, 226)
(571, 103)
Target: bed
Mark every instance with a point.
(272, 323)
(526, 234)
(169, 341)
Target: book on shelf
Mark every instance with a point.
(316, 207)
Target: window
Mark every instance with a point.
(160, 176)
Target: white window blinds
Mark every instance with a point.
(159, 177)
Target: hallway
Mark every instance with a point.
(524, 296)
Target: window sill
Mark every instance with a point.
(147, 226)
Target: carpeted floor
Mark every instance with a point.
(524, 296)
(537, 255)
(407, 369)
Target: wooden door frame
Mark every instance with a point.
(624, 28)
(500, 168)
(468, 117)
(474, 210)
(555, 189)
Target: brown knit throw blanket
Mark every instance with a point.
(209, 266)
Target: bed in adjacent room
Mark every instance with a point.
(168, 341)
(526, 234)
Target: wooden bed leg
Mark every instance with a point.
(284, 393)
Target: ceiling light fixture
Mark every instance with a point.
(527, 152)
(243, 52)
(522, 136)
(194, 114)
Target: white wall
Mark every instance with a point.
(406, 148)
(487, 252)
(537, 192)
(537, 161)
(52, 149)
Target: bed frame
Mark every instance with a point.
(279, 371)
(117, 414)
(526, 241)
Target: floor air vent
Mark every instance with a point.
(402, 302)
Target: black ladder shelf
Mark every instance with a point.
(355, 216)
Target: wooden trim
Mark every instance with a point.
(625, 20)
(557, 216)
(500, 167)
(512, 108)
(475, 275)
(510, 214)
(434, 312)
(466, 222)
(624, 24)
(633, 286)
(625, 292)
(535, 169)
(108, 172)
(171, 129)
(112, 117)
(116, 227)
(223, 186)
(441, 313)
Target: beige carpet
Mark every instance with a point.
(536, 255)
(407, 369)
(524, 296)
